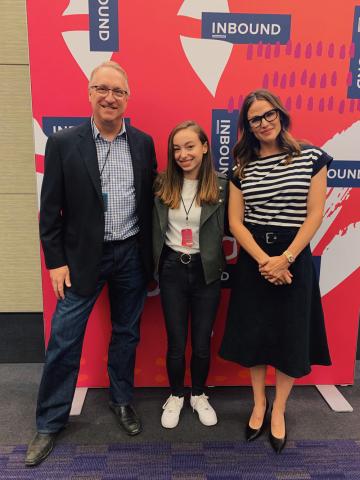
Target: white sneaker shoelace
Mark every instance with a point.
(171, 414)
(207, 414)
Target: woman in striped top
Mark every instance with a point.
(277, 198)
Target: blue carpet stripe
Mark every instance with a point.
(301, 460)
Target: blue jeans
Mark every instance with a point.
(122, 269)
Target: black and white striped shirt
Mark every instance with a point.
(275, 193)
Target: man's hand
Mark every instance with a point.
(58, 276)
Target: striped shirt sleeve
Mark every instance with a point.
(233, 178)
(320, 160)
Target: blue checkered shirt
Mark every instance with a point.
(117, 184)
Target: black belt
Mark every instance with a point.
(121, 242)
(184, 258)
(271, 234)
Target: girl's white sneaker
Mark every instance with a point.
(171, 414)
(207, 414)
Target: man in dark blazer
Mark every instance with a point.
(95, 228)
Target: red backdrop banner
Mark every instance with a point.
(198, 59)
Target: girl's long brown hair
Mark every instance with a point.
(168, 184)
(248, 146)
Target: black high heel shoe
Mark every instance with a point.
(278, 443)
(253, 433)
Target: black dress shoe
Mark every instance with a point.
(253, 433)
(127, 418)
(39, 448)
(278, 443)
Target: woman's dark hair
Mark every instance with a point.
(168, 184)
(247, 147)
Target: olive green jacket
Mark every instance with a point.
(212, 219)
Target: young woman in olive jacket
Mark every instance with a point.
(188, 227)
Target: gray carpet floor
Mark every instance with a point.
(308, 415)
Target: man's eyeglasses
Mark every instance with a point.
(269, 116)
(103, 91)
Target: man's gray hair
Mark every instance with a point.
(115, 66)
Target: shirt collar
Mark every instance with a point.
(97, 134)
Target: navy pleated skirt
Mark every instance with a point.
(277, 325)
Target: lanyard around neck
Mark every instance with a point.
(106, 159)
(187, 211)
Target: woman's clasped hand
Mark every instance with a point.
(276, 271)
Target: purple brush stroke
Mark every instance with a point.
(276, 79)
(352, 50)
(283, 80)
(297, 51)
(268, 51)
(349, 79)
(265, 82)
(323, 81)
(303, 77)
(333, 80)
(277, 49)
(342, 52)
(319, 49)
(288, 48)
(312, 82)
(292, 79)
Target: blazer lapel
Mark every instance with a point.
(87, 149)
(136, 160)
(206, 211)
(162, 212)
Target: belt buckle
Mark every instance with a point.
(185, 258)
(270, 237)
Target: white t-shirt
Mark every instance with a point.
(177, 219)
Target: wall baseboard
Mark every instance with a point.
(21, 338)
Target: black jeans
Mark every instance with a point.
(184, 293)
